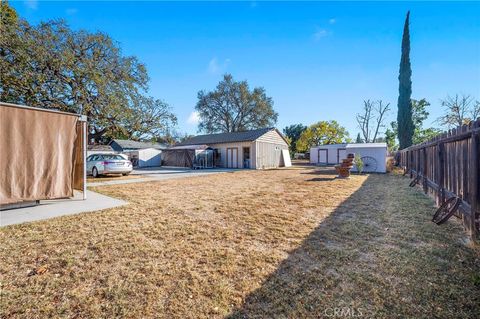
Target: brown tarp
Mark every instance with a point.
(78, 157)
(37, 154)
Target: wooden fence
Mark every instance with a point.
(448, 165)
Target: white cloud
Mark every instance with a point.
(320, 33)
(71, 11)
(332, 21)
(194, 118)
(214, 67)
(31, 4)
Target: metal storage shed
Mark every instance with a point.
(261, 148)
(141, 154)
(42, 154)
(373, 154)
(328, 154)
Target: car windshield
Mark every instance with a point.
(112, 157)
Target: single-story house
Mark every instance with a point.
(99, 149)
(257, 149)
(141, 154)
(374, 155)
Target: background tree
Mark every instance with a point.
(404, 115)
(419, 115)
(293, 133)
(372, 119)
(390, 139)
(233, 107)
(359, 139)
(459, 110)
(320, 133)
(51, 66)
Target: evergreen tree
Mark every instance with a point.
(359, 139)
(404, 116)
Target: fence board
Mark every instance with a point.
(448, 165)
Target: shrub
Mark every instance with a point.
(358, 163)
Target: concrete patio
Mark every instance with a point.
(59, 207)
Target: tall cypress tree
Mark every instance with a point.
(404, 115)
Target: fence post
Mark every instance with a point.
(441, 173)
(474, 194)
(411, 163)
(425, 184)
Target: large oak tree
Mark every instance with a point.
(233, 107)
(51, 66)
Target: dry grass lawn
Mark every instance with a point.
(290, 243)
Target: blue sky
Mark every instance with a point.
(317, 60)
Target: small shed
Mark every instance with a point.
(141, 154)
(257, 149)
(329, 154)
(374, 155)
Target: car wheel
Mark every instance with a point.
(95, 172)
(126, 174)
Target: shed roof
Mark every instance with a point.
(100, 148)
(135, 145)
(330, 145)
(367, 145)
(245, 136)
(189, 147)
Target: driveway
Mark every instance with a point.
(94, 202)
(149, 174)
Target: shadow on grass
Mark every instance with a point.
(321, 179)
(321, 171)
(367, 259)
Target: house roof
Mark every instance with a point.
(246, 136)
(135, 145)
(99, 148)
(189, 147)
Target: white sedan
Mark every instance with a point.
(102, 164)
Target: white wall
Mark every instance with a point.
(222, 149)
(378, 153)
(149, 157)
(333, 154)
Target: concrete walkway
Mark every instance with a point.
(59, 207)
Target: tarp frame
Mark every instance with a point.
(82, 119)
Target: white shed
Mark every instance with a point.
(374, 155)
(147, 157)
(328, 154)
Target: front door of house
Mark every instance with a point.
(232, 157)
